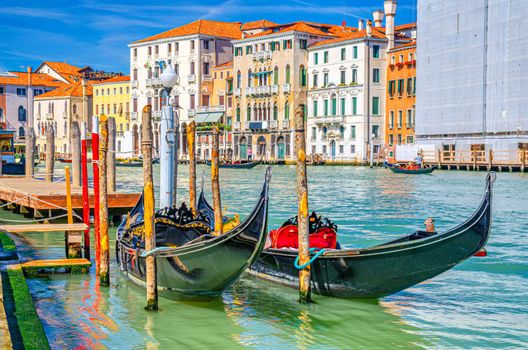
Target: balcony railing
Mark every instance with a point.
(156, 115)
(154, 83)
(120, 133)
(207, 77)
(258, 125)
(134, 116)
(262, 55)
(236, 125)
(191, 112)
(286, 88)
(64, 116)
(274, 89)
(272, 124)
(250, 91)
(134, 84)
(286, 124)
(49, 116)
(37, 116)
(391, 126)
(334, 119)
(191, 78)
(210, 109)
(237, 92)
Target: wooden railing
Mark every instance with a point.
(489, 158)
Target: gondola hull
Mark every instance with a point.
(399, 170)
(235, 166)
(385, 269)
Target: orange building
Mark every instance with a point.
(401, 96)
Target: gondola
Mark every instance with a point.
(64, 160)
(401, 170)
(192, 264)
(248, 165)
(387, 268)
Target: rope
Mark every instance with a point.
(319, 253)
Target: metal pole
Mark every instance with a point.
(166, 157)
(148, 203)
(76, 153)
(86, 199)
(95, 163)
(50, 153)
(191, 129)
(217, 203)
(372, 151)
(176, 127)
(302, 212)
(104, 271)
(111, 154)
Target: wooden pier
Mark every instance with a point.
(41, 199)
(498, 160)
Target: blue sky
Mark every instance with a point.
(96, 33)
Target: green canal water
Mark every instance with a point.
(482, 303)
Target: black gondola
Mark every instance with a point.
(402, 170)
(191, 263)
(248, 165)
(388, 268)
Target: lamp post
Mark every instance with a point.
(372, 150)
(167, 141)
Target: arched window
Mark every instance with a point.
(21, 114)
(276, 76)
(287, 78)
(21, 132)
(74, 108)
(275, 112)
(65, 129)
(250, 78)
(248, 113)
(286, 111)
(239, 79)
(302, 75)
(334, 104)
(238, 113)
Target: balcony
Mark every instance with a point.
(134, 116)
(120, 133)
(134, 84)
(236, 125)
(154, 83)
(275, 89)
(237, 92)
(258, 125)
(327, 120)
(207, 77)
(250, 91)
(262, 55)
(286, 88)
(286, 124)
(410, 125)
(156, 115)
(37, 116)
(191, 112)
(391, 126)
(64, 116)
(210, 109)
(272, 124)
(49, 116)
(191, 78)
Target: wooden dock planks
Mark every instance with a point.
(25, 228)
(55, 263)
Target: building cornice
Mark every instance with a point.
(271, 36)
(174, 39)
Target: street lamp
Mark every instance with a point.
(168, 142)
(372, 149)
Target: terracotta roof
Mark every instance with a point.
(224, 65)
(229, 30)
(302, 27)
(258, 24)
(404, 46)
(405, 26)
(65, 70)
(70, 90)
(37, 79)
(378, 34)
(117, 79)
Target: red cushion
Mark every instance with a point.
(287, 237)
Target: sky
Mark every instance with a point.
(96, 33)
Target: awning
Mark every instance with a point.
(210, 117)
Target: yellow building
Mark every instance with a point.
(112, 98)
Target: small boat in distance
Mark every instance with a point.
(133, 162)
(64, 160)
(247, 165)
(414, 170)
(385, 269)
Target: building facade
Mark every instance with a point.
(400, 97)
(112, 98)
(473, 61)
(193, 50)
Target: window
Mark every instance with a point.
(352, 134)
(206, 68)
(250, 78)
(399, 139)
(354, 52)
(286, 44)
(134, 105)
(325, 132)
(192, 101)
(21, 132)
(21, 91)
(354, 105)
(135, 53)
(409, 118)
(409, 86)
(249, 49)
(400, 118)
(287, 111)
(343, 54)
(303, 44)
(150, 50)
(192, 67)
(341, 149)
(410, 139)
(400, 86)
(302, 77)
(36, 92)
(414, 86)
(276, 75)
(238, 51)
(353, 149)
(343, 76)
(287, 74)
(315, 102)
(156, 50)
(401, 59)
(325, 58)
(238, 113)
(375, 131)
(393, 60)
(392, 85)
(21, 114)
(115, 91)
(275, 112)
(375, 105)
(316, 58)
(2, 114)
(343, 106)
(375, 51)
(325, 106)
(192, 45)
(314, 78)
(391, 119)
(135, 74)
(169, 48)
(334, 105)
(206, 44)
(376, 75)
(1, 90)
(325, 79)
(176, 47)
(354, 76)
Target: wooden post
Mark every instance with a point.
(148, 203)
(72, 238)
(75, 143)
(439, 159)
(191, 143)
(85, 194)
(68, 194)
(111, 155)
(1, 162)
(95, 162)
(104, 271)
(523, 160)
(217, 203)
(302, 212)
(490, 159)
(30, 153)
(50, 153)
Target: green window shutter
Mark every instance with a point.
(343, 54)
(276, 77)
(354, 105)
(391, 87)
(355, 52)
(325, 107)
(334, 106)
(414, 85)
(375, 105)
(287, 75)
(287, 111)
(343, 104)
(353, 131)
(248, 115)
(316, 58)
(315, 108)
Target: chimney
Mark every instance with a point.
(360, 25)
(29, 69)
(369, 27)
(343, 24)
(390, 13)
(378, 18)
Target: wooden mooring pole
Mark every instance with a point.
(76, 153)
(302, 212)
(72, 239)
(111, 154)
(148, 203)
(85, 194)
(50, 153)
(104, 271)
(30, 153)
(191, 131)
(217, 202)
(67, 179)
(95, 163)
